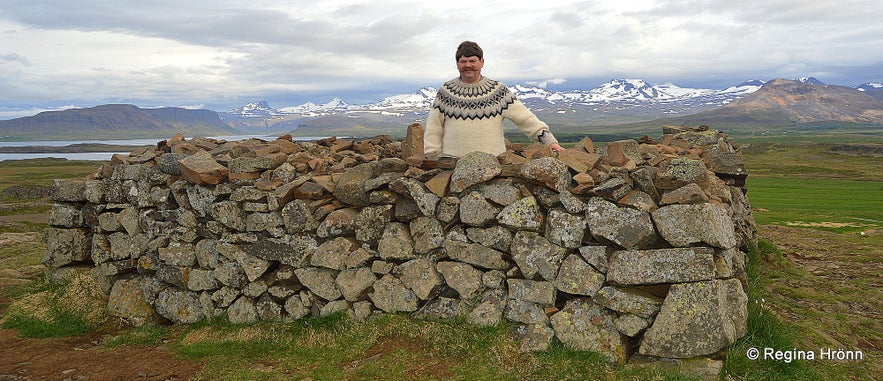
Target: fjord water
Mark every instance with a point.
(97, 156)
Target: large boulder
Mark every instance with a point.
(698, 319)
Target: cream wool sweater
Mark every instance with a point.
(469, 117)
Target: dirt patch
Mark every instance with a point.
(87, 358)
(431, 367)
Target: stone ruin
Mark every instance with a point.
(635, 249)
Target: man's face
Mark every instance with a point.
(470, 68)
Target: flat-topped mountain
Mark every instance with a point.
(114, 121)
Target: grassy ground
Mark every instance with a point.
(813, 284)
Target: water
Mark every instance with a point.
(101, 156)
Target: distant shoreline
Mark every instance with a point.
(73, 148)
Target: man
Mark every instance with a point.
(468, 111)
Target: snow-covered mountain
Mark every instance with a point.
(634, 98)
(870, 86)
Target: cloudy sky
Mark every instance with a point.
(222, 54)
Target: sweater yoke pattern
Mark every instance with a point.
(486, 99)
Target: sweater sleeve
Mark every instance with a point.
(435, 129)
(529, 124)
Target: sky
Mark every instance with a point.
(218, 55)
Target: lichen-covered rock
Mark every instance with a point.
(524, 214)
(332, 254)
(535, 255)
(396, 242)
(583, 325)
(462, 277)
(421, 276)
(565, 229)
(475, 210)
(242, 311)
(427, 233)
(182, 307)
(659, 266)
(625, 227)
(697, 319)
(391, 295)
(684, 225)
(127, 301)
(628, 301)
(66, 246)
(474, 168)
(354, 284)
(319, 281)
(578, 277)
(476, 254)
(547, 171)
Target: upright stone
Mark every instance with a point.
(698, 319)
(413, 143)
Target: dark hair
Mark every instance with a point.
(469, 49)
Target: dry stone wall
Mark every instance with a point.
(634, 250)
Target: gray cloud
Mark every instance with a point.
(193, 52)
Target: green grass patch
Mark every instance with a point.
(43, 171)
(765, 329)
(46, 309)
(842, 206)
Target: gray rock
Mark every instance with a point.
(524, 214)
(475, 210)
(396, 243)
(242, 311)
(230, 274)
(476, 254)
(182, 307)
(647, 267)
(526, 312)
(67, 215)
(540, 292)
(349, 188)
(298, 218)
(320, 282)
(684, 225)
(253, 266)
(391, 295)
(489, 310)
(427, 233)
(354, 284)
(533, 337)
(495, 237)
(535, 255)
(474, 168)
(578, 277)
(500, 192)
(628, 301)
(178, 254)
(339, 223)
(631, 325)
(613, 189)
(461, 277)
(596, 255)
(334, 307)
(68, 191)
(127, 301)
(426, 200)
(229, 214)
(565, 229)
(547, 171)
(583, 325)
(625, 227)
(447, 209)
(295, 307)
(421, 276)
(65, 246)
(267, 308)
(371, 222)
(265, 222)
(441, 308)
(697, 319)
(201, 280)
(332, 254)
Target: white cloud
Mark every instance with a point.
(221, 52)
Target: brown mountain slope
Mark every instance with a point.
(805, 103)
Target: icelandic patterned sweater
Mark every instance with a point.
(469, 117)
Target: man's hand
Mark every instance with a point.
(556, 147)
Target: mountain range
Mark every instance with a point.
(620, 105)
(114, 121)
